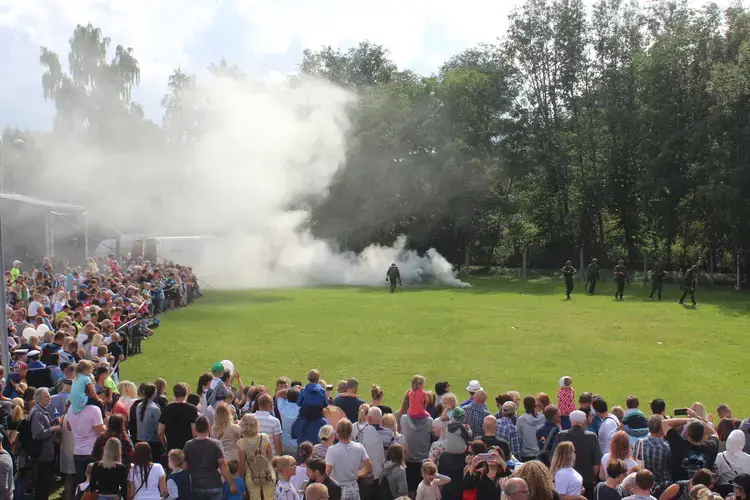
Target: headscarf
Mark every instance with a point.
(733, 461)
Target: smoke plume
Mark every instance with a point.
(260, 151)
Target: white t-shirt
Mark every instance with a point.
(299, 477)
(150, 490)
(605, 430)
(81, 338)
(568, 482)
(82, 424)
(346, 460)
(631, 464)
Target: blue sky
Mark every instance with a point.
(263, 37)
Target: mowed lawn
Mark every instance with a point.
(511, 335)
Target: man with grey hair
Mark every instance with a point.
(588, 451)
(42, 450)
(516, 489)
(369, 437)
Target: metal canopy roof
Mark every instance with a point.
(40, 202)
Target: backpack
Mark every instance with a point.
(260, 467)
(545, 454)
(369, 478)
(384, 493)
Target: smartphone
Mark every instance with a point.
(680, 412)
(329, 387)
(484, 457)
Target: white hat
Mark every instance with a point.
(474, 386)
(577, 417)
(33, 353)
(16, 262)
(561, 382)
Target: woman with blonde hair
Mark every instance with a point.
(568, 482)
(326, 437)
(286, 468)
(364, 409)
(440, 424)
(128, 393)
(619, 449)
(96, 341)
(226, 431)
(252, 444)
(389, 422)
(538, 479)
(109, 476)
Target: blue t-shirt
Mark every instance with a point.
(78, 397)
(240, 483)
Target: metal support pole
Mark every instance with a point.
(4, 313)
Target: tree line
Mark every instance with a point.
(616, 130)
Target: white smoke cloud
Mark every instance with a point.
(257, 156)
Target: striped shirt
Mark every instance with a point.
(656, 454)
(269, 425)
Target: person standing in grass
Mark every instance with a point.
(568, 272)
(592, 276)
(657, 280)
(689, 282)
(621, 277)
(394, 276)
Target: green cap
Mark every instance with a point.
(217, 367)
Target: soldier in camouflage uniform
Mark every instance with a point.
(394, 276)
(689, 282)
(621, 276)
(592, 276)
(568, 272)
(657, 280)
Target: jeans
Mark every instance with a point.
(208, 494)
(81, 462)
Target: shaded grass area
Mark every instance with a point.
(508, 334)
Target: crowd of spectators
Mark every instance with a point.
(223, 440)
(61, 398)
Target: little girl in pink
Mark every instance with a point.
(417, 398)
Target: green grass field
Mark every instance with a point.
(510, 335)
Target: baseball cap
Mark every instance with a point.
(509, 408)
(577, 417)
(217, 367)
